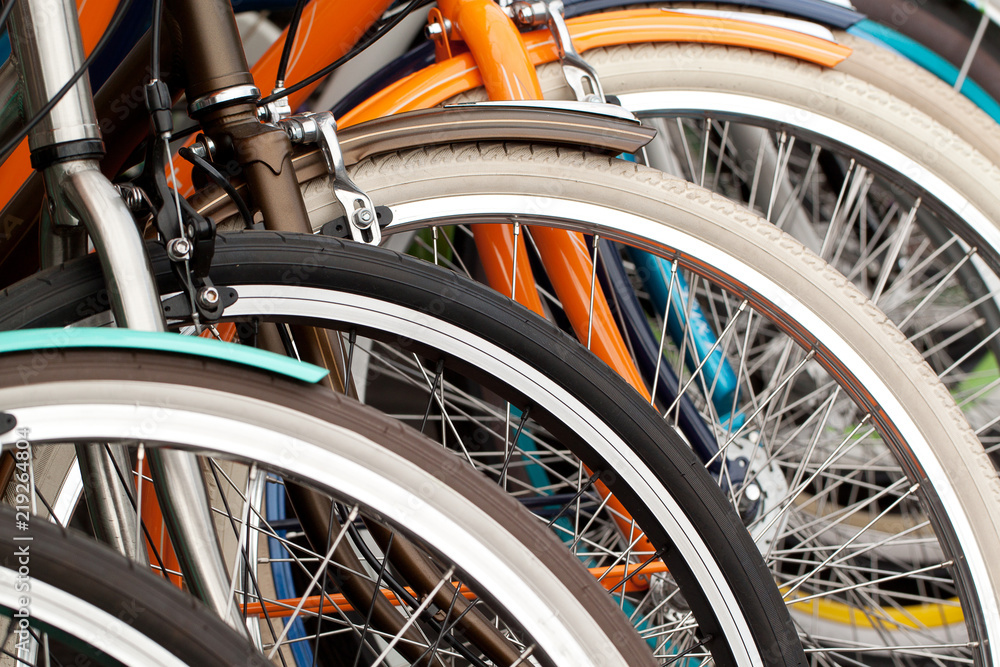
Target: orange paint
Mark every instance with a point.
(492, 37)
(503, 61)
(495, 244)
(152, 519)
(94, 19)
(497, 48)
(15, 171)
(421, 90)
(328, 30)
(444, 80)
(226, 331)
(610, 578)
(569, 265)
(507, 73)
(653, 25)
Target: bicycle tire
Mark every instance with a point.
(118, 624)
(806, 93)
(906, 81)
(440, 295)
(486, 182)
(489, 180)
(805, 97)
(922, 90)
(950, 37)
(377, 463)
(937, 147)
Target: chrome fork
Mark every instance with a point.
(65, 147)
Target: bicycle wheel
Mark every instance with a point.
(887, 195)
(84, 604)
(785, 391)
(948, 29)
(881, 67)
(522, 181)
(503, 352)
(547, 606)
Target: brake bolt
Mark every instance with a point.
(179, 249)
(363, 218)
(208, 297)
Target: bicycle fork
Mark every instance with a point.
(65, 147)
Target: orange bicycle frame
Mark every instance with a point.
(439, 82)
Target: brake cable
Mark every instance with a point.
(358, 48)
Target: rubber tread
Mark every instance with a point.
(134, 596)
(837, 94)
(949, 36)
(317, 401)
(922, 90)
(907, 82)
(532, 170)
(544, 171)
(265, 258)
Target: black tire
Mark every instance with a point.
(75, 291)
(107, 582)
(741, 257)
(380, 449)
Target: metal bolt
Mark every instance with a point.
(203, 147)
(200, 151)
(276, 111)
(293, 128)
(363, 218)
(435, 31)
(179, 249)
(208, 297)
(528, 14)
